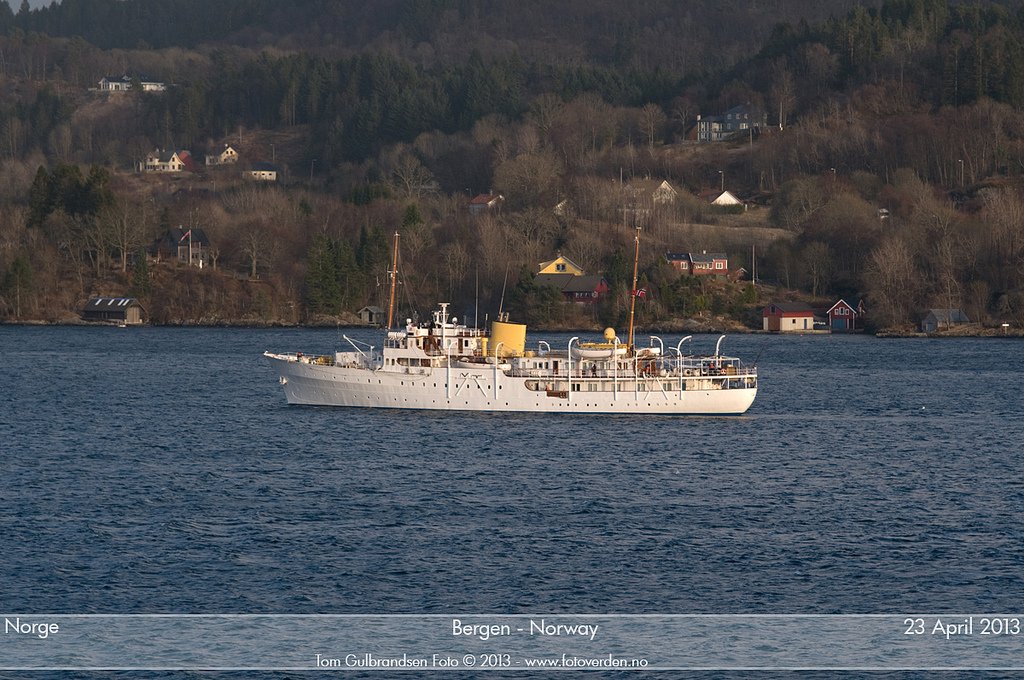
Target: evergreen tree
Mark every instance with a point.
(164, 223)
(412, 216)
(65, 189)
(95, 192)
(6, 17)
(141, 283)
(39, 201)
(351, 282)
(323, 293)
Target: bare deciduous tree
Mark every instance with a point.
(891, 279)
(123, 221)
(652, 120)
(254, 245)
(456, 260)
(406, 173)
(816, 258)
(783, 92)
(1005, 212)
(528, 180)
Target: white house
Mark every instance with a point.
(262, 172)
(166, 161)
(225, 157)
(726, 198)
(123, 83)
(652, 191)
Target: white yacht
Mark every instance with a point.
(445, 365)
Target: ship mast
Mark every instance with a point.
(632, 294)
(394, 277)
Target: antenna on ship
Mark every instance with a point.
(501, 305)
(394, 277)
(633, 292)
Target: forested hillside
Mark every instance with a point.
(890, 168)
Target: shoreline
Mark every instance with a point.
(972, 331)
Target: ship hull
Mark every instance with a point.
(486, 389)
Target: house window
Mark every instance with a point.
(560, 267)
(718, 265)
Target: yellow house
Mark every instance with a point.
(561, 265)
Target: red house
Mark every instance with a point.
(583, 289)
(484, 202)
(586, 288)
(699, 264)
(788, 317)
(679, 261)
(842, 317)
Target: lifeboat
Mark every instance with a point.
(598, 350)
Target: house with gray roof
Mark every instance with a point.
(738, 119)
(190, 246)
(372, 315)
(942, 319)
(113, 310)
(699, 264)
(584, 289)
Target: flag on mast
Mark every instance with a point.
(188, 235)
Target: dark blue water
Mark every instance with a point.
(160, 470)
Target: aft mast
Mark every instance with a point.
(394, 277)
(633, 291)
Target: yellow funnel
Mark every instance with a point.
(511, 336)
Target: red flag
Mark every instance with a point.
(185, 236)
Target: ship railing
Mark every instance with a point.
(356, 360)
(627, 368)
(712, 365)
